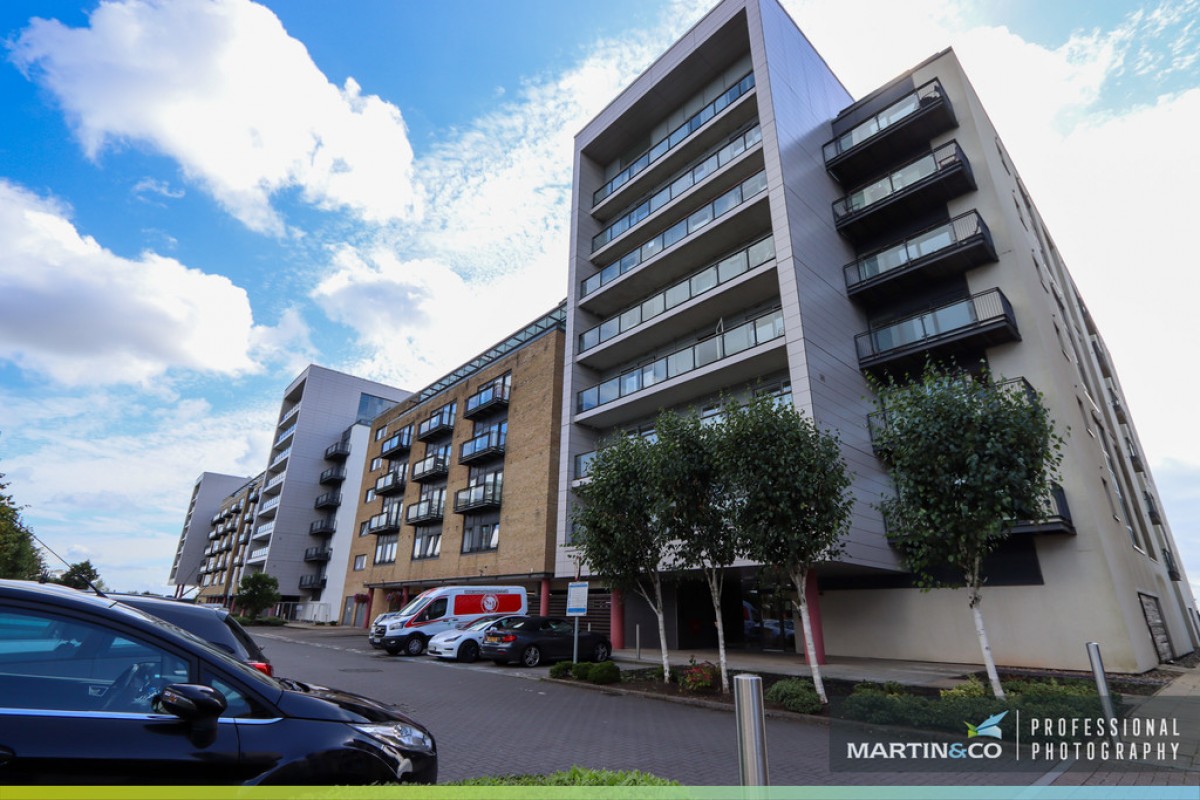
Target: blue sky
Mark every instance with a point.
(199, 198)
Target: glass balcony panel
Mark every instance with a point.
(591, 284)
(768, 327)
(609, 273)
(652, 248)
(703, 281)
(631, 318)
(704, 116)
(753, 185)
(699, 219)
(589, 398)
(762, 251)
(739, 339)
(609, 390)
(589, 339)
(679, 293)
(631, 382)
(721, 102)
(936, 239)
(654, 373)
(899, 335)
(708, 351)
(916, 171)
(660, 199)
(682, 184)
(674, 233)
(753, 136)
(727, 202)
(899, 111)
(609, 328)
(678, 135)
(680, 362)
(731, 267)
(881, 262)
(654, 306)
(951, 318)
(657, 151)
(629, 261)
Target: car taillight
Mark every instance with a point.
(263, 667)
(508, 637)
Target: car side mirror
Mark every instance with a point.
(193, 701)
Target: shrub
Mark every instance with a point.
(972, 688)
(575, 776)
(795, 694)
(699, 677)
(604, 672)
(561, 670)
(657, 674)
(583, 670)
(890, 688)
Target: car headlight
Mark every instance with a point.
(450, 639)
(399, 735)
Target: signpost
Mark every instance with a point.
(577, 602)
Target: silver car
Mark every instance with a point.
(462, 644)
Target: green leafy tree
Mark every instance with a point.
(257, 592)
(81, 575)
(968, 457)
(790, 499)
(20, 558)
(692, 496)
(616, 531)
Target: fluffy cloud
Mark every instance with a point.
(221, 88)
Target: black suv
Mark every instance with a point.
(96, 692)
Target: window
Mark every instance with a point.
(362, 528)
(370, 496)
(481, 536)
(360, 563)
(385, 549)
(376, 463)
(380, 432)
(427, 544)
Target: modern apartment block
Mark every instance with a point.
(740, 223)
(315, 459)
(459, 483)
(229, 542)
(205, 506)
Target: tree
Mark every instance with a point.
(20, 558)
(968, 457)
(616, 531)
(692, 506)
(257, 592)
(790, 499)
(81, 575)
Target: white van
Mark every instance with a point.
(440, 609)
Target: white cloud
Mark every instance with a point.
(221, 88)
(154, 186)
(74, 311)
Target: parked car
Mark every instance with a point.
(441, 609)
(462, 644)
(538, 640)
(95, 692)
(213, 624)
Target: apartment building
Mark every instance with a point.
(228, 543)
(459, 483)
(209, 492)
(741, 224)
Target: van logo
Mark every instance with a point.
(490, 602)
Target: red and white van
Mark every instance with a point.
(440, 609)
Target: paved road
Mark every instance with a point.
(491, 720)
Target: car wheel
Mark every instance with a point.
(601, 652)
(500, 662)
(468, 651)
(414, 646)
(532, 656)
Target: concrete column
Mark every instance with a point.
(616, 620)
(813, 596)
(544, 598)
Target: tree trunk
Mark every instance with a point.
(714, 587)
(656, 603)
(976, 597)
(810, 647)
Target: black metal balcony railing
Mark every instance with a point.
(387, 522)
(1135, 458)
(483, 446)
(1152, 508)
(312, 581)
(333, 475)
(440, 422)
(941, 250)
(323, 527)
(1055, 518)
(430, 467)
(399, 442)
(393, 480)
(1102, 357)
(337, 451)
(983, 319)
(675, 137)
(328, 500)
(484, 495)
(427, 510)
(907, 123)
(935, 177)
(494, 395)
(318, 554)
(1170, 565)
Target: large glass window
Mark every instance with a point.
(385, 549)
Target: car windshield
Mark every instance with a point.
(527, 624)
(481, 624)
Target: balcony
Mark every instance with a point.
(258, 555)
(474, 498)
(867, 148)
(1170, 565)
(313, 582)
(337, 451)
(279, 461)
(332, 475)
(1135, 458)
(947, 249)
(916, 187)
(392, 481)
(274, 484)
(291, 412)
(387, 522)
(1114, 396)
(494, 395)
(1055, 518)
(323, 527)
(265, 530)
(328, 500)
(675, 138)
(269, 506)
(284, 436)
(482, 447)
(979, 321)
(1152, 508)
(1102, 357)
(319, 554)
(427, 511)
(430, 467)
(441, 422)
(400, 442)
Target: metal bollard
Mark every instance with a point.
(637, 638)
(751, 730)
(1093, 651)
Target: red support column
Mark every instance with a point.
(616, 620)
(403, 596)
(544, 598)
(813, 596)
(367, 613)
